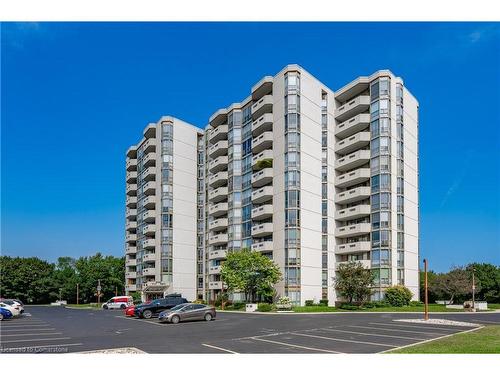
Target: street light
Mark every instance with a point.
(426, 301)
(473, 290)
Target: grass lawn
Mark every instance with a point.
(484, 340)
(494, 306)
(432, 308)
(83, 305)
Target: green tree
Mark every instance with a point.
(65, 278)
(487, 279)
(353, 281)
(433, 296)
(252, 273)
(454, 285)
(28, 279)
(398, 295)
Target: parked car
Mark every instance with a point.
(13, 309)
(188, 311)
(130, 310)
(119, 302)
(147, 310)
(14, 303)
(5, 314)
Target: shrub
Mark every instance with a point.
(416, 303)
(398, 295)
(347, 306)
(284, 300)
(369, 305)
(238, 305)
(264, 163)
(323, 302)
(264, 307)
(309, 302)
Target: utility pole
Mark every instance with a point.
(77, 293)
(426, 301)
(473, 291)
(98, 292)
(116, 291)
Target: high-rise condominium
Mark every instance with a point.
(307, 176)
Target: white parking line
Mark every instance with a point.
(485, 321)
(436, 338)
(25, 325)
(29, 329)
(421, 326)
(48, 339)
(219, 348)
(396, 330)
(296, 346)
(369, 334)
(33, 334)
(345, 340)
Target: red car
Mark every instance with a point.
(129, 311)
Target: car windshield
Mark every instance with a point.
(178, 307)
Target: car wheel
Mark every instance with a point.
(1, 317)
(208, 317)
(147, 314)
(105, 307)
(175, 319)
(123, 307)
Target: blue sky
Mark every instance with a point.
(76, 96)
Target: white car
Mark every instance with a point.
(13, 309)
(119, 302)
(13, 303)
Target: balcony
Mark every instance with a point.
(364, 262)
(130, 250)
(151, 271)
(149, 202)
(264, 246)
(131, 262)
(262, 142)
(352, 213)
(149, 188)
(214, 270)
(352, 108)
(131, 238)
(354, 160)
(262, 177)
(218, 149)
(130, 213)
(219, 133)
(353, 195)
(215, 285)
(149, 159)
(218, 194)
(218, 239)
(263, 124)
(149, 230)
(131, 164)
(262, 195)
(149, 257)
(352, 178)
(132, 152)
(131, 202)
(131, 189)
(131, 177)
(353, 230)
(218, 179)
(262, 230)
(218, 164)
(150, 131)
(149, 243)
(149, 174)
(131, 226)
(217, 254)
(130, 275)
(149, 145)
(353, 143)
(218, 224)
(219, 209)
(149, 216)
(266, 154)
(131, 288)
(264, 105)
(353, 247)
(263, 87)
(353, 125)
(262, 212)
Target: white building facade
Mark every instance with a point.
(307, 176)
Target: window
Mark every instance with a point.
(384, 86)
(292, 159)
(400, 186)
(401, 240)
(400, 201)
(292, 237)
(381, 220)
(292, 140)
(292, 122)
(292, 199)
(292, 218)
(292, 179)
(401, 259)
(381, 182)
(374, 92)
(401, 222)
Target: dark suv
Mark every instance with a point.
(156, 306)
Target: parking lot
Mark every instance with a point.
(61, 330)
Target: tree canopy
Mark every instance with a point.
(250, 272)
(353, 281)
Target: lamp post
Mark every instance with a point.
(426, 301)
(473, 291)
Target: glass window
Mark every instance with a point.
(384, 86)
(374, 92)
(292, 179)
(292, 159)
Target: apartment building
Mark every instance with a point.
(162, 211)
(307, 176)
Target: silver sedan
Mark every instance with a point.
(187, 311)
